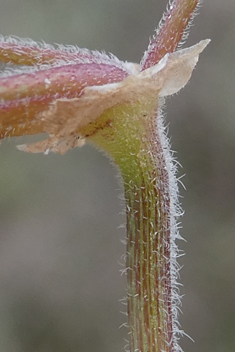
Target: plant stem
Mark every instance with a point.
(172, 29)
(135, 143)
(148, 255)
(148, 263)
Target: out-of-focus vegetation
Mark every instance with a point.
(59, 240)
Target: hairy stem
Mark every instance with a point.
(148, 254)
(170, 32)
(148, 262)
(136, 146)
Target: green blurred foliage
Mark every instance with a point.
(60, 243)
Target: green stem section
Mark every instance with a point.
(131, 137)
(148, 265)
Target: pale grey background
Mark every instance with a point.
(59, 238)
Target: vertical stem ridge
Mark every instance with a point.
(141, 151)
(148, 257)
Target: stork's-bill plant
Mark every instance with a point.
(77, 96)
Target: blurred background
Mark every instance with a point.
(60, 246)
